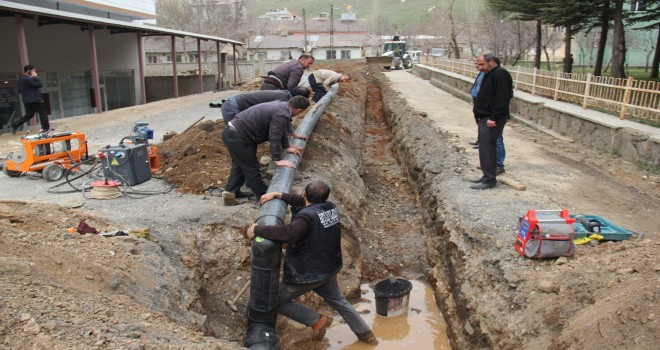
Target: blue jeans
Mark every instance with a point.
(328, 290)
(501, 152)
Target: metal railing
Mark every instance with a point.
(627, 98)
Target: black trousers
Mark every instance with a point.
(488, 149)
(319, 89)
(30, 109)
(244, 163)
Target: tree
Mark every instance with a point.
(571, 15)
(618, 42)
(523, 10)
(648, 19)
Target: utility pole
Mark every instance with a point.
(332, 33)
(305, 31)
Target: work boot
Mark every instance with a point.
(500, 171)
(475, 143)
(13, 129)
(368, 338)
(318, 329)
(483, 186)
(477, 180)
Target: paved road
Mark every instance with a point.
(552, 169)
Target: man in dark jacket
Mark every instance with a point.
(313, 259)
(256, 125)
(491, 109)
(28, 86)
(287, 75)
(236, 104)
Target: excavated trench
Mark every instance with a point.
(391, 227)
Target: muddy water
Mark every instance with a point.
(421, 327)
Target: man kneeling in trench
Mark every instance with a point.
(313, 259)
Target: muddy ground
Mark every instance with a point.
(398, 180)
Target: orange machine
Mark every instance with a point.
(48, 154)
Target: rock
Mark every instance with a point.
(32, 327)
(228, 198)
(25, 317)
(561, 261)
(265, 160)
(625, 271)
(468, 328)
(546, 285)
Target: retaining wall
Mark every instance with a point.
(632, 141)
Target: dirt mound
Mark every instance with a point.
(64, 290)
(195, 160)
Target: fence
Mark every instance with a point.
(627, 98)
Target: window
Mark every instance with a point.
(638, 6)
(331, 54)
(345, 54)
(192, 57)
(152, 59)
(168, 58)
(178, 58)
(285, 55)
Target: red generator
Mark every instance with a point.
(546, 234)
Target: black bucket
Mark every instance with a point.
(392, 296)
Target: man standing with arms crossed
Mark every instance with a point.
(491, 109)
(28, 86)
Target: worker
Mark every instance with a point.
(313, 259)
(320, 81)
(255, 125)
(239, 103)
(491, 108)
(287, 75)
(28, 86)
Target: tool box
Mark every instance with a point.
(545, 234)
(586, 225)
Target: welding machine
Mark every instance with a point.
(126, 163)
(545, 234)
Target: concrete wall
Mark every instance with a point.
(633, 141)
(160, 88)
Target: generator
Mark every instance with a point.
(126, 163)
(545, 234)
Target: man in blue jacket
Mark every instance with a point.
(491, 109)
(28, 86)
(313, 259)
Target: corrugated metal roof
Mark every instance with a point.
(49, 15)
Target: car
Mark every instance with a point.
(416, 56)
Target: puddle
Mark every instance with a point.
(422, 327)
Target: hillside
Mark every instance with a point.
(398, 13)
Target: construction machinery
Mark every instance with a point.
(393, 54)
(132, 161)
(48, 154)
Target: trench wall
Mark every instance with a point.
(461, 272)
(632, 141)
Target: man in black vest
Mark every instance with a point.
(491, 109)
(313, 259)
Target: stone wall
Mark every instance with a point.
(632, 141)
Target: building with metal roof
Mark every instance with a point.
(88, 63)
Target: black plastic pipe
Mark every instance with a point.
(267, 254)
